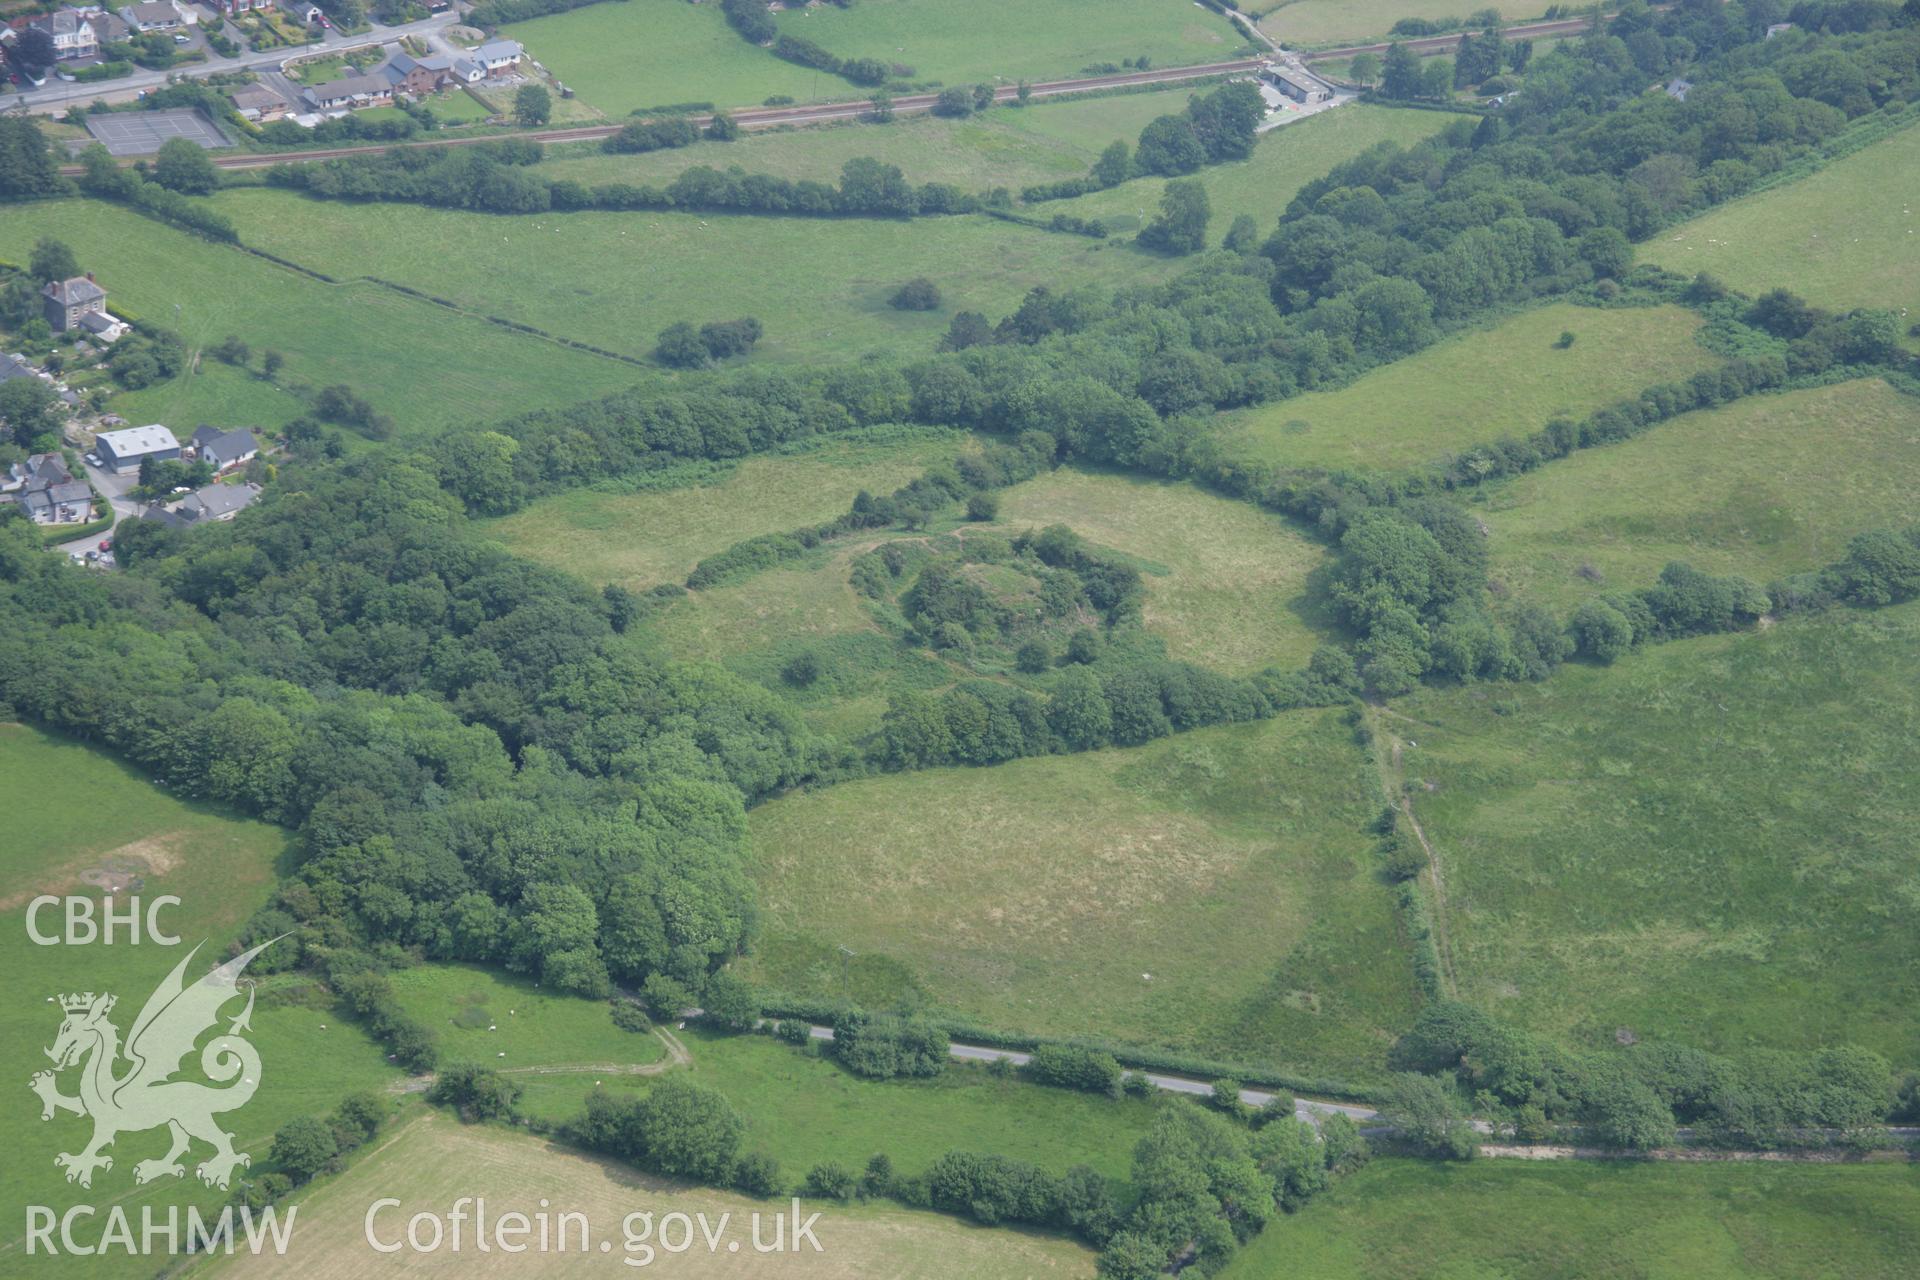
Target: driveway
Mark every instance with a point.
(114, 489)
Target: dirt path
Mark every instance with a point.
(1393, 779)
(677, 1056)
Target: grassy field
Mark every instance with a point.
(650, 53)
(1226, 583)
(755, 625)
(802, 1109)
(435, 1161)
(1002, 41)
(1212, 891)
(1284, 160)
(83, 823)
(447, 369)
(1304, 23)
(1402, 1219)
(654, 53)
(643, 539)
(1766, 487)
(1843, 237)
(617, 279)
(1231, 587)
(504, 1020)
(1479, 386)
(1708, 842)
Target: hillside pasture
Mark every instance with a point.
(1768, 486)
(621, 58)
(436, 1160)
(1306, 23)
(1228, 583)
(1507, 380)
(1704, 843)
(448, 369)
(1845, 236)
(1395, 1218)
(820, 286)
(1213, 892)
(1003, 41)
(87, 826)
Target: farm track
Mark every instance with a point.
(912, 104)
(677, 1056)
(1396, 784)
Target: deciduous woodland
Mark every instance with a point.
(1077, 762)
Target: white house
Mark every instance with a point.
(224, 449)
(499, 57)
(160, 15)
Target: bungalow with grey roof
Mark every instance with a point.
(349, 93)
(224, 449)
(158, 15)
(258, 103)
(216, 502)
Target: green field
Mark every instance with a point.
(1212, 891)
(1504, 381)
(1225, 588)
(435, 1160)
(616, 279)
(1284, 160)
(1846, 236)
(1708, 842)
(654, 53)
(1501, 1219)
(649, 53)
(1228, 588)
(1770, 486)
(803, 1109)
(643, 539)
(1305, 23)
(753, 626)
(424, 365)
(1002, 41)
(83, 823)
(457, 106)
(504, 1020)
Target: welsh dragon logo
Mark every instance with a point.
(144, 1095)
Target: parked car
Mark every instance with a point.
(93, 459)
(178, 38)
(106, 544)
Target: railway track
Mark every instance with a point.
(911, 104)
